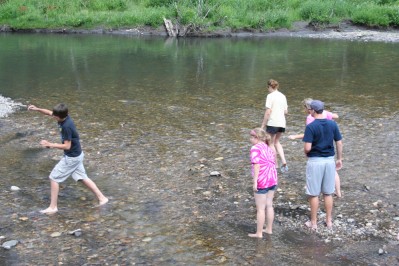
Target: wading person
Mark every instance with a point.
(320, 169)
(309, 119)
(71, 163)
(264, 180)
(274, 120)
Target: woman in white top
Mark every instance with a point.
(274, 120)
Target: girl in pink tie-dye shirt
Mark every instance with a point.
(264, 180)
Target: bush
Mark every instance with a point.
(376, 16)
(99, 5)
(324, 11)
(158, 3)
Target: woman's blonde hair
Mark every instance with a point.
(272, 84)
(261, 135)
(306, 102)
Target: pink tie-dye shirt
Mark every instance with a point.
(261, 154)
(326, 115)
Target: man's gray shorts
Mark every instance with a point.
(320, 176)
(69, 166)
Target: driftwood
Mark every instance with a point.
(171, 30)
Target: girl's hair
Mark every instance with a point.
(261, 135)
(306, 102)
(60, 110)
(273, 84)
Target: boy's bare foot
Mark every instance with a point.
(255, 235)
(103, 201)
(49, 210)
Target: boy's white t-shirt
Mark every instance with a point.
(277, 102)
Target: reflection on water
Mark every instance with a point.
(154, 114)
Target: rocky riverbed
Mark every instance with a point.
(205, 207)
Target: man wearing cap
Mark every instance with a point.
(319, 140)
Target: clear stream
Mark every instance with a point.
(157, 116)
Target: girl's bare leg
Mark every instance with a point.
(279, 148)
(337, 185)
(260, 200)
(269, 212)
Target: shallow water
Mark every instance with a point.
(155, 113)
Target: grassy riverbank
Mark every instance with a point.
(196, 15)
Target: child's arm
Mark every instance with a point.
(41, 110)
(299, 136)
(335, 116)
(255, 179)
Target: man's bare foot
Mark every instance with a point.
(255, 235)
(103, 201)
(267, 232)
(311, 226)
(49, 210)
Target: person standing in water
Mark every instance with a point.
(264, 180)
(274, 120)
(319, 139)
(309, 119)
(71, 163)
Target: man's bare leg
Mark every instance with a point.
(328, 204)
(314, 206)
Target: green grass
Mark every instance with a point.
(204, 15)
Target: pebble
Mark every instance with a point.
(55, 234)
(15, 188)
(77, 232)
(215, 173)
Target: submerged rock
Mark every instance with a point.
(9, 244)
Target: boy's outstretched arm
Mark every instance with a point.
(41, 110)
(62, 146)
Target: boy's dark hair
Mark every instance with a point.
(60, 110)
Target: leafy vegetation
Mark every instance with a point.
(201, 15)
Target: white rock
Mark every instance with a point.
(15, 188)
(215, 173)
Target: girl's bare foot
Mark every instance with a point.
(255, 235)
(49, 210)
(267, 232)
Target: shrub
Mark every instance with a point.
(99, 5)
(158, 3)
(324, 11)
(376, 16)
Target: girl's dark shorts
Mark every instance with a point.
(265, 190)
(274, 130)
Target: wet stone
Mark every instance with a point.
(9, 244)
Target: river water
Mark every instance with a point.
(156, 116)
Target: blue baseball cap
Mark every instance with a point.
(317, 105)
